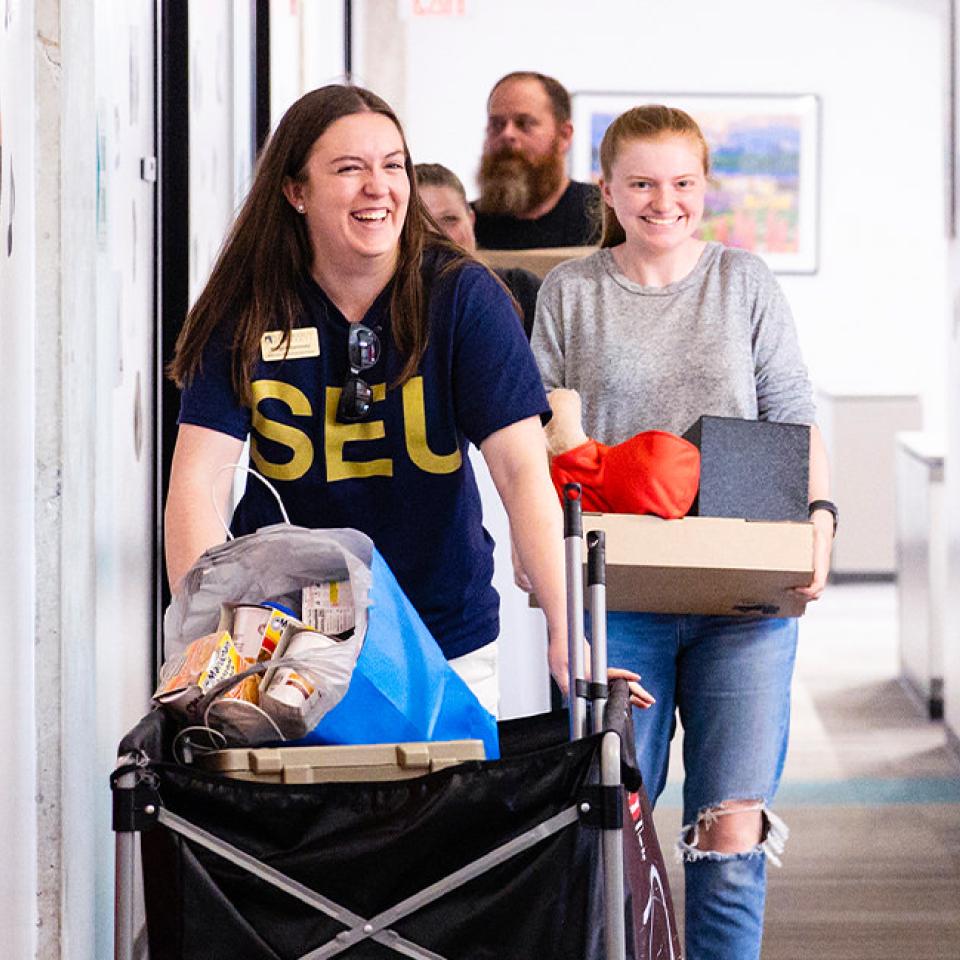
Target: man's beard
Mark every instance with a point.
(513, 184)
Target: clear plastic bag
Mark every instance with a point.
(273, 565)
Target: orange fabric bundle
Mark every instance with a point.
(653, 472)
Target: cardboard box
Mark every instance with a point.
(704, 564)
(751, 469)
(538, 261)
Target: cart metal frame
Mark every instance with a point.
(137, 805)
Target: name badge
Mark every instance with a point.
(303, 342)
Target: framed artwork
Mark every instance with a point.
(763, 192)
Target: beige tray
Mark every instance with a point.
(324, 764)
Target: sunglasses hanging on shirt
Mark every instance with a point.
(363, 351)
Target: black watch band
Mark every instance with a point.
(827, 505)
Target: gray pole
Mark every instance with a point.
(613, 888)
(597, 585)
(125, 881)
(573, 540)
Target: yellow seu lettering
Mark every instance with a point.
(415, 433)
(298, 442)
(337, 434)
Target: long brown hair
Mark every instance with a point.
(255, 282)
(648, 122)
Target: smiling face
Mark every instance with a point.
(656, 188)
(452, 214)
(355, 191)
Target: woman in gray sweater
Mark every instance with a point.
(655, 329)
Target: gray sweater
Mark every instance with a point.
(720, 341)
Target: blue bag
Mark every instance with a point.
(402, 688)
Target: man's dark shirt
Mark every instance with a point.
(524, 286)
(573, 222)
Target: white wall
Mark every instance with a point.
(306, 50)
(76, 295)
(951, 639)
(116, 693)
(211, 108)
(18, 879)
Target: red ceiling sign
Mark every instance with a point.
(439, 8)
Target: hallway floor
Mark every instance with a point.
(871, 793)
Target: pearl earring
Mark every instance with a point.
(301, 208)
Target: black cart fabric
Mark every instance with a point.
(369, 846)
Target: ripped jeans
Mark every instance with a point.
(729, 678)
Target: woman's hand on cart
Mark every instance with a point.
(639, 696)
(558, 658)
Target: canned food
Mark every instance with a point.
(273, 631)
(249, 623)
(291, 685)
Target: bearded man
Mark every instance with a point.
(526, 198)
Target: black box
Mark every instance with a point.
(752, 469)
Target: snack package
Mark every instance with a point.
(273, 631)
(205, 662)
(247, 689)
(328, 607)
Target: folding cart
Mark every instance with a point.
(548, 852)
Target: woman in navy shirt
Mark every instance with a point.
(361, 352)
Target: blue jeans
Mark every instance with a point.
(729, 678)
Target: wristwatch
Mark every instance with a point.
(827, 505)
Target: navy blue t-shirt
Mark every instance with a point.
(402, 476)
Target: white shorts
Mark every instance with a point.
(479, 671)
